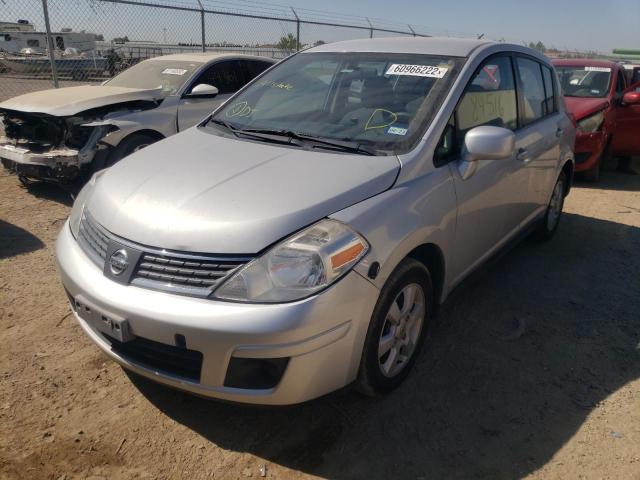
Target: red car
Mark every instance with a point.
(606, 111)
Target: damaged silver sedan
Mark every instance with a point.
(62, 134)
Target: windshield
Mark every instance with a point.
(382, 101)
(584, 81)
(169, 75)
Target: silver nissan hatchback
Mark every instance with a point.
(301, 237)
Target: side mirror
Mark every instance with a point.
(203, 90)
(488, 143)
(631, 98)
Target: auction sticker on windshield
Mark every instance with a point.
(597, 69)
(174, 71)
(417, 70)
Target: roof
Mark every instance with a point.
(204, 57)
(580, 62)
(455, 47)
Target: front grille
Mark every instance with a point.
(183, 273)
(93, 239)
(176, 361)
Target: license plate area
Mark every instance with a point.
(105, 322)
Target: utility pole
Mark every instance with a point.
(52, 57)
(202, 26)
(297, 29)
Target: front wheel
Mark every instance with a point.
(129, 145)
(397, 328)
(554, 210)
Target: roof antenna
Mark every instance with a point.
(480, 36)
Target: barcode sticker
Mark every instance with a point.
(417, 70)
(174, 71)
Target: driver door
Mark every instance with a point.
(486, 190)
(227, 76)
(626, 137)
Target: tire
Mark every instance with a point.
(132, 143)
(593, 174)
(552, 216)
(380, 373)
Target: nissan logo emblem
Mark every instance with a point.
(119, 261)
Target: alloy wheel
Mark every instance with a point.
(401, 330)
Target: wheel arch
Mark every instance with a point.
(145, 131)
(432, 257)
(568, 169)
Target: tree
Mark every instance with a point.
(538, 46)
(288, 43)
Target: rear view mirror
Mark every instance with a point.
(203, 90)
(631, 98)
(488, 143)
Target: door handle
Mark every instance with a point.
(559, 132)
(521, 155)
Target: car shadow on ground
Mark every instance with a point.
(519, 356)
(15, 240)
(612, 179)
(63, 194)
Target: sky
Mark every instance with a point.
(565, 24)
(582, 24)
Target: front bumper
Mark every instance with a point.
(588, 150)
(51, 165)
(322, 336)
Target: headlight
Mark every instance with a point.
(78, 204)
(300, 266)
(591, 123)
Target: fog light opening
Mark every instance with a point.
(255, 373)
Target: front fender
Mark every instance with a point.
(161, 119)
(403, 218)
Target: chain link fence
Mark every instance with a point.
(58, 43)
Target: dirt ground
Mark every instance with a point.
(532, 370)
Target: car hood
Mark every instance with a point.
(583, 107)
(68, 101)
(199, 192)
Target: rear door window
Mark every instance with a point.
(532, 87)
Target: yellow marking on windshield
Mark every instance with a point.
(369, 126)
(283, 86)
(240, 109)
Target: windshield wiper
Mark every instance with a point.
(344, 146)
(256, 135)
(224, 124)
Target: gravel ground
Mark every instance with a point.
(532, 370)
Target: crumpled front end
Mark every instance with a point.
(46, 147)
